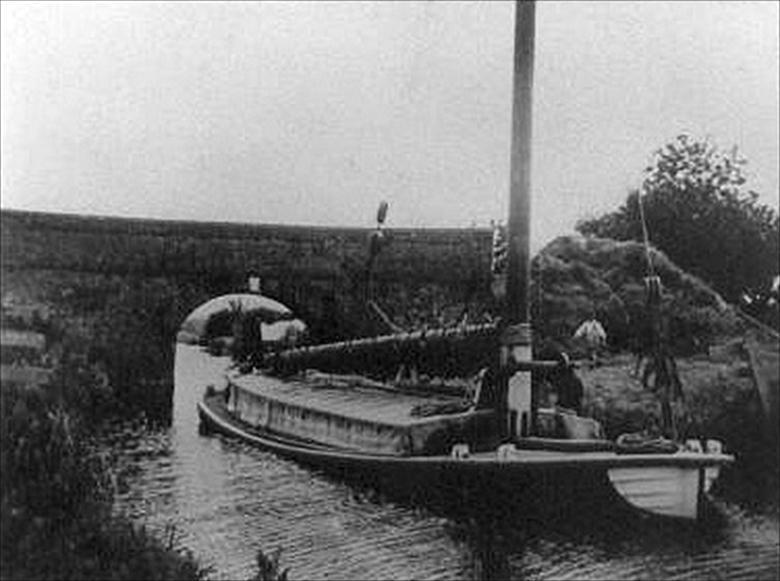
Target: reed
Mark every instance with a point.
(268, 567)
(56, 494)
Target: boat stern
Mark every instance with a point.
(674, 488)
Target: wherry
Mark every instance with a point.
(300, 403)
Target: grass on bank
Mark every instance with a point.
(56, 496)
(56, 491)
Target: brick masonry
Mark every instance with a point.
(420, 275)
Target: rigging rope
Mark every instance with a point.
(645, 235)
(661, 366)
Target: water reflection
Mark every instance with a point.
(227, 500)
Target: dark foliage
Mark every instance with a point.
(698, 213)
(56, 494)
(575, 276)
(122, 328)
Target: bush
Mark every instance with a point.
(577, 275)
(56, 494)
(699, 212)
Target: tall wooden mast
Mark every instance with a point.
(516, 341)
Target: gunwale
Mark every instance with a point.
(215, 415)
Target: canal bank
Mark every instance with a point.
(56, 491)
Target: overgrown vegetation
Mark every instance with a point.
(699, 213)
(111, 339)
(575, 276)
(120, 328)
(56, 491)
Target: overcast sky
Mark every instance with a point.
(311, 113)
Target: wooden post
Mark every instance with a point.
(516, 340)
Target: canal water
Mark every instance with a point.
(224, 500)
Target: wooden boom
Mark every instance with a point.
(444, 352)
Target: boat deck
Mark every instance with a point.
(352, 412)
(342, 396)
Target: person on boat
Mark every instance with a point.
(570, 388)
(295, 333)
(248, 340)
(488, 393)
(566, 384)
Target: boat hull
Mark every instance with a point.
(498, 478)
(665, 490)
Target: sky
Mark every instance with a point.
(312, 112)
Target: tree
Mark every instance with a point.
(698, 212)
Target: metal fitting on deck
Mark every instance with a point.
(710, 446)
(694, 446)
(714, 447)
(505, 452)
(460, 451)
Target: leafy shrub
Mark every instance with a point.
(699, 212)
(47, 470)
(56, 492)
(576, 276)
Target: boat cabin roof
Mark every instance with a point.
(347, 397)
